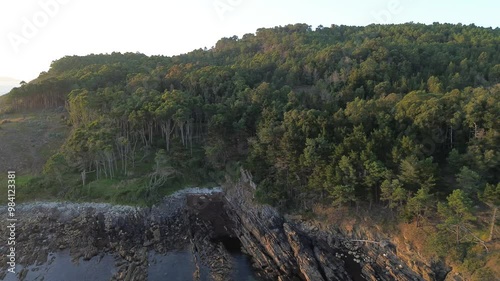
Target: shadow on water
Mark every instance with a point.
(242, 263)
(172, 266)
(60, 267)
(179, 266)
(353, 268)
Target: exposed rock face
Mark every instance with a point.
(281, 248)
(287, 249)
(377, 260)
(88, 230)
(206, 222)
(395, 257)
(127, 233)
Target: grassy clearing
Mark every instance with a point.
(131, 190)
(115, 191)
(23, 192)
(28, 140)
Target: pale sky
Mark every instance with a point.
(36, 32)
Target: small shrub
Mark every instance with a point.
(483, 274)
(473, 263)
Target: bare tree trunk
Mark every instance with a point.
(451, 136)
(150, 133)
(133, 149)
(143, 136)
(493, 219)
(114, 162)
(181, 128)
(83, 177)
(167, 131)
(190, 136)
(97, 169)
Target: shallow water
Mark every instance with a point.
(243, 269)
(352, 267)
(242, 263)
(59, 267)
(179, 266)
(173, 266)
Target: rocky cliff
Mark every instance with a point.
(285, 248)
(130, 235)
(282, 248)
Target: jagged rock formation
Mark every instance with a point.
(128, 233)
(287, 249)
(281, 248)
(277, 248)
(88, 230)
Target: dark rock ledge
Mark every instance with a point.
(199, 220)
(287, 249)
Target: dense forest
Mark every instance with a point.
(403, 116)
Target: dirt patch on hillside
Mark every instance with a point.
(28, 140)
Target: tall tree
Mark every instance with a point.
(491, 196)
(457, 212)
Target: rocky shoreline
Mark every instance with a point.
(199, 221)
(129, 234)
(290, 249)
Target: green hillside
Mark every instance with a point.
(401, 116)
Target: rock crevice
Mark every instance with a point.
(281, 248)
(288, 249)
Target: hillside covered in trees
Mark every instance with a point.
(403, 116)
